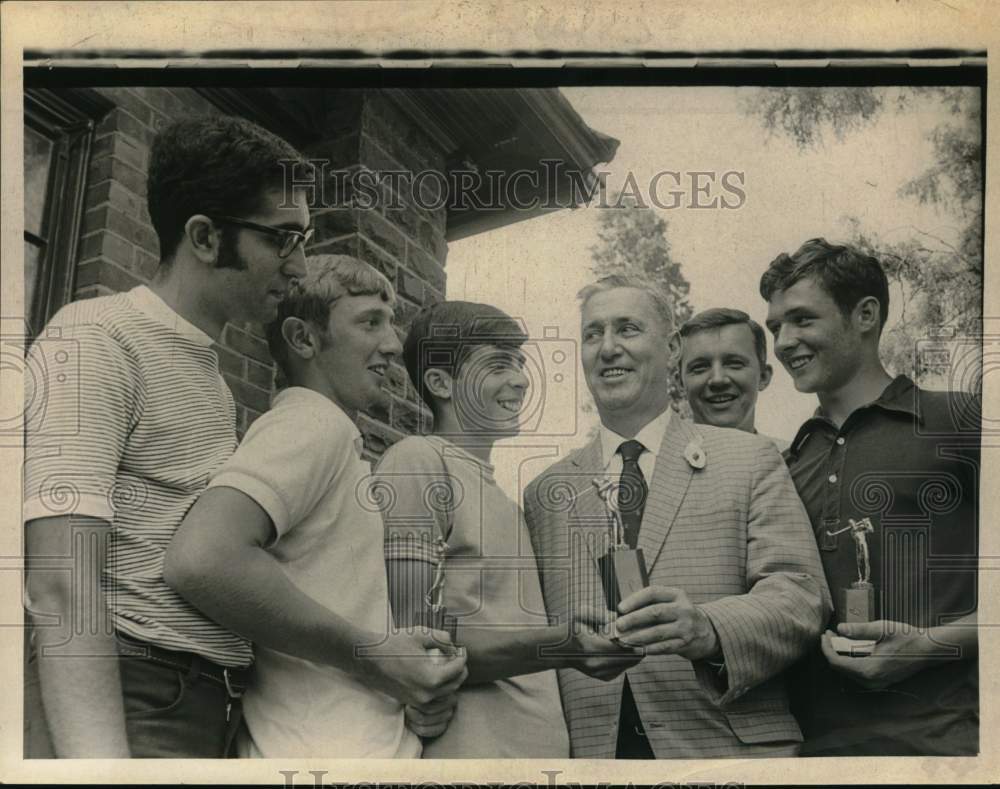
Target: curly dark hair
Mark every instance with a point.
(844, 272)
(211, 165)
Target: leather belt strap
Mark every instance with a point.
(234, 680)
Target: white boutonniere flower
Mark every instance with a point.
(695, 455)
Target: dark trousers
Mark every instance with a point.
(169, 713)
(632, 740)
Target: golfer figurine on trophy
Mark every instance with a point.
(622, 569)
(859, 598)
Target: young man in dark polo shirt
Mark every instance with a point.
(907, 460)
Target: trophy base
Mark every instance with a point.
(853, 647)
(859, 603)
(623, 572)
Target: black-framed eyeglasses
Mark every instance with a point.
(290, 239)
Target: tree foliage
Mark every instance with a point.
(938, 281)
(633, 239)
(804, 114)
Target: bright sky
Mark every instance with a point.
(533, 269)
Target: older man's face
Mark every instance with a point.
(625, 352)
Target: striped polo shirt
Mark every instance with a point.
(127, 417)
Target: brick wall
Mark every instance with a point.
(118, 247)
(402, 240)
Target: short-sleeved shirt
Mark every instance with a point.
(127, 417)
(909, 462)
(301, 462)
(432, 486)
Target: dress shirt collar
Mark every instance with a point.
(651, 437)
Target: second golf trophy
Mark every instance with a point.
(859, 597)
(622, 569)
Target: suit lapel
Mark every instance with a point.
(671, 477)
(587, 505)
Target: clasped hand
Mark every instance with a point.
(595, 654)
(662, 620)
(424, 671)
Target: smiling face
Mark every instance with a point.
(255, 278)
(489, 390)
(360, 341)
(815, 342)
(721, 376)
(626, 359)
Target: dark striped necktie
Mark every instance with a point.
(632, 490)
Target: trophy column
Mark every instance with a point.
(622, 569)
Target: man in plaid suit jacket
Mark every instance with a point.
(736, 591)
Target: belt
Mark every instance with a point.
(234, 680)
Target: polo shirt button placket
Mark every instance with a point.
(831, 508)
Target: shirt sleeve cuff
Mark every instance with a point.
(89, 505)
(260, 492)
(411, 547)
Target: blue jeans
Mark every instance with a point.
(175, 714)
(168, 712)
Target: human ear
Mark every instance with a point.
(765, 377)
(299, 338)
(204, 238)
(675, 347)
(679, 378)
(439, 383)
(867, 313)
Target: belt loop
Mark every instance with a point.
(194, 670)
(229, 688)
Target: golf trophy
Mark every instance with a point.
(622, 569)
(859, 597)
(435, 615)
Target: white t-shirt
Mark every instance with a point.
(301, 462)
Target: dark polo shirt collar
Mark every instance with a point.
(901, 395)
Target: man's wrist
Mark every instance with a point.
(564, 649)
(713, 649)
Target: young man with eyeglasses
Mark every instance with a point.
(126, 666)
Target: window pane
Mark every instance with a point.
(32, 256)
(37, 163)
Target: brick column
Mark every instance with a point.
(401, 238)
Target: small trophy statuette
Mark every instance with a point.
(435, 614)
(622, 569)
(859, 597)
